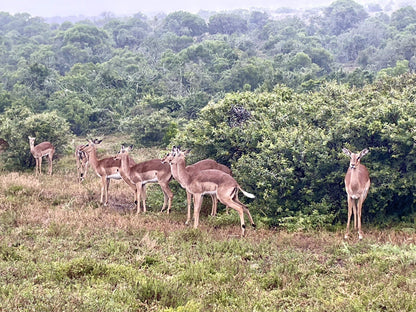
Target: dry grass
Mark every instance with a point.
(61, 251)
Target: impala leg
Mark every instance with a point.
(36, 167)
(350, 204)
(144, 197)
(168, 195)
(107, 187)
(197, 208)
(214, 205)
(138, 196)
(245, 209)
(50, 164)
(189, 201)
(39, 165)
(237, 207)
(103, 184)
(354, 211)
(359, 207)
(104, 190)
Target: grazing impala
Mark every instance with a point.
(357, 184)
(106, 168)
(209, 182)
(193, 169)
(150, 171)
(39, 151)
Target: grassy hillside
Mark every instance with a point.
(61, 251)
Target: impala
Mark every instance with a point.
(150, 171)
(210, 181)
(106, 168)
(357, 184)
(81, 158)
(39, 151)
(204, 164)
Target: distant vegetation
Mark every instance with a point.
(273, 94)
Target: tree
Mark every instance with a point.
(184, 24)
(225, 23)
(341, 16)
(403, 17)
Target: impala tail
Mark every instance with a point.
(247, 194)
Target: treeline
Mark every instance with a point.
(122, 74)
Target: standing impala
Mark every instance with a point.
(211, 181)
(106, 168)
(150, 171)
(39, 151)
(193, 169)
(357, 184)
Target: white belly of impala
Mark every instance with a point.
(114, 176)
(149, 181)
(209, 193)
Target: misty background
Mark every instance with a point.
(81, 9)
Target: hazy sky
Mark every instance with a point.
(49, 8)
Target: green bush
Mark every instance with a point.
(18, 122)
(286, 147)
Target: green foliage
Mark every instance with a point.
(342, 15)
(403, 17)
(17, 123)
(226, 23)
(155, 129)
(286, 148)
(184, 24)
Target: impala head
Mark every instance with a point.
(355, 159)
(169, 156)
(31, 139)
(123, 151)
(90, 145)
(174, 155)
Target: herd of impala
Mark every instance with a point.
(204, 177)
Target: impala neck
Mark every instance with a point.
(124, 162)
(93, 157)
(32, 146)
(180, 169)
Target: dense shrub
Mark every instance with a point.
(18, 122)
(287, 148)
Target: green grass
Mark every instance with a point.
(61, 251)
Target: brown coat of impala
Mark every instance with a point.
(150, 171)
(357, 184)
(106, 168)
(39, 151)
(211, 181)
(192, 170)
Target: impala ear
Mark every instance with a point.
(364, 152)
(347, 152)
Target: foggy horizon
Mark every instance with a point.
(54, 8)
